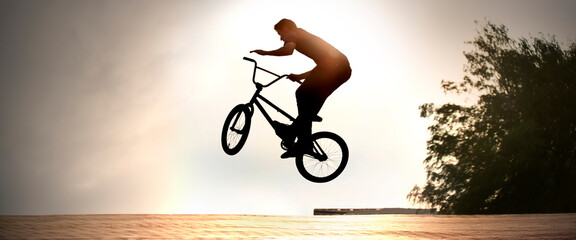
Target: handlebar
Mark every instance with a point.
(270, 83)
(249, 59)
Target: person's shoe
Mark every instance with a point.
(295, 151)
(290, 153)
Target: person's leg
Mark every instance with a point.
(302, 125)
(310, 98)
(312, 95)
(309, 104)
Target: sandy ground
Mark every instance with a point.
(521, 227)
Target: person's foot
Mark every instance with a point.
(290, 153)
(296, 151)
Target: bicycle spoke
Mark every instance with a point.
(316, 169)
(236, 131)
(320, 171)
(325, 161)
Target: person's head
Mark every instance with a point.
(285, 23)
(285, 26)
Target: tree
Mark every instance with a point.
(514, 150)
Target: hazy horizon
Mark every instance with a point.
(117, 106)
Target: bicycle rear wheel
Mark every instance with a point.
(236, 129)
(328, 160)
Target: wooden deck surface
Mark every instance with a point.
(521, 227)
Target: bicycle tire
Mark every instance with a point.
(324, 170)
(236, 128)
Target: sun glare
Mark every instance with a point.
(372, 111)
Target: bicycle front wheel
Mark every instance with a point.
(328, 160)
(236, 129)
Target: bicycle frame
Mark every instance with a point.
(318, 151)
(259, 87)
(327, 157)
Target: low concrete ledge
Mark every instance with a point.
(369, 211)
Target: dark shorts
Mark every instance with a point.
(321, 83)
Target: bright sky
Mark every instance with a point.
(118, 106)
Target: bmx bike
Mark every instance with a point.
(329, 155)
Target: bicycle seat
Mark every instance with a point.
(316, 119)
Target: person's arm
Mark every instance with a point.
(285, 50)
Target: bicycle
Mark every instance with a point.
(330, 152)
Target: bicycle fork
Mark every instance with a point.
(233, 127)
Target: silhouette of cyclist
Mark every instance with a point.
(332, 70)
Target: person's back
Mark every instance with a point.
(315, 48)
(332, 70)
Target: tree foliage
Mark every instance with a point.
(514, 150)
